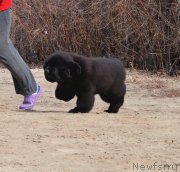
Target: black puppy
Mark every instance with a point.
(85, 77)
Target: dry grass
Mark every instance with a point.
(144, 33)
(160, 86)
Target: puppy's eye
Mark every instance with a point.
(52, 69)
(62, 70)
(66, 73)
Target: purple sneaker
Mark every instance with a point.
(30, 101)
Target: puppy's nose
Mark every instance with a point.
(46, 71)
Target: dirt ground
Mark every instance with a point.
(146, 131)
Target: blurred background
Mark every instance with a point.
(143, 33)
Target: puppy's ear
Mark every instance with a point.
(75, 68)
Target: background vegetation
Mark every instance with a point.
(144, 33)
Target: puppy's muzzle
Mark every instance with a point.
(49, 76)
(47, 71)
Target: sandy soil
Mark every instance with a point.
(146, 130)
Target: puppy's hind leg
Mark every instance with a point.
(115, 102)
(115, 105)
(116, 99)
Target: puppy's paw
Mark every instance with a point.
(111, 111)
(79, 109)
(75, 110)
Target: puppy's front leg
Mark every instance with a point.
(85, 103)
(64, 93)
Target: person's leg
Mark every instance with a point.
(24, 81)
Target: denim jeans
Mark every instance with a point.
(23, 79)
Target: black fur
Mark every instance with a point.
(84, 77)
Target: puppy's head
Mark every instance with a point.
(60, 67)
